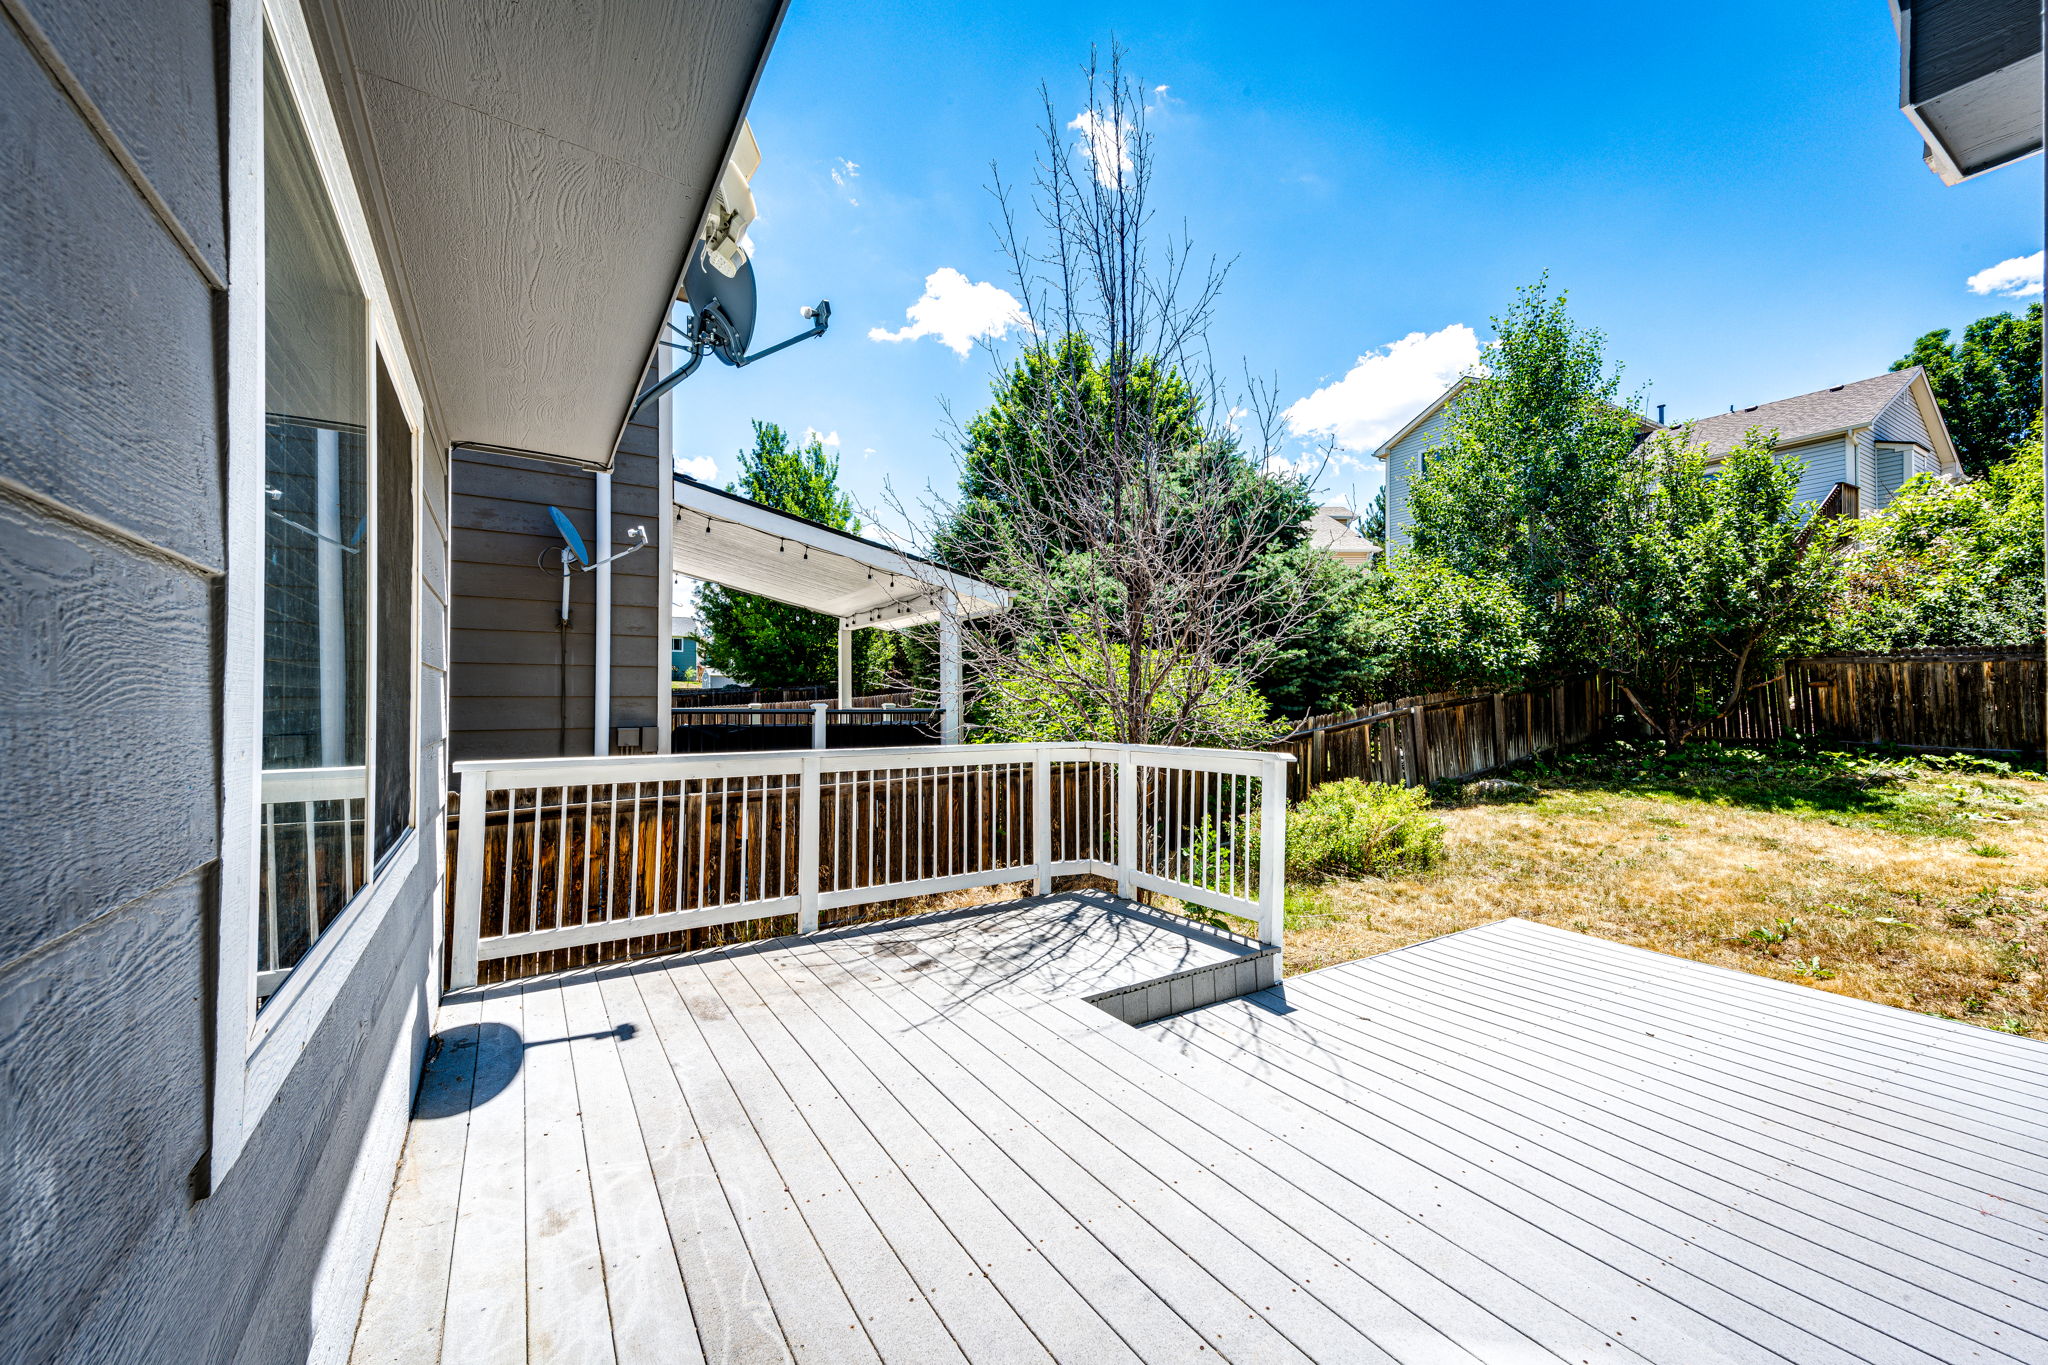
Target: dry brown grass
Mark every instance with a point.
(1862, 905)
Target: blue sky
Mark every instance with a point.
(1729, 191)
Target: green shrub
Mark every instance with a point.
(1363, 828)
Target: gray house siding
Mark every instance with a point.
(1900, 421)
(1404, 462)
(1889, 470)
(507, 698)
(1826, 465)
(112, 1247)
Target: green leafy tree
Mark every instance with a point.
(766, 643)
(1039, 700)
(1522, 487)
(1710, 578)
(1988, 384)
(1948, 565)
(1430, 627)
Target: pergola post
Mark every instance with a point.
(845, 665)
(949, 668)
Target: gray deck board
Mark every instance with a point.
(730, 1309)
(402, 1315)
(1539, 1060)
(949, 1192)
(914, 1141)
(1613, 1206)
(649, 1307)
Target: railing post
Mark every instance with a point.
(1041, 819)
(1126, 823)
(469, 878)
(819, 712)
(1273, 853)
(808, 816)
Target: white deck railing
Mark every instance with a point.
(565, 852)
(312, 852)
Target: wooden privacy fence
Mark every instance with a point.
(1973, 700)
(559, 854)
(1446, 735)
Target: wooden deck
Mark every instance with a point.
(918, 1142)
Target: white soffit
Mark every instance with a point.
(725, 539)
(539, 172)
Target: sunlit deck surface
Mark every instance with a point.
(917, 1142)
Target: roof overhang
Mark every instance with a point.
(737, 543)
(1970, 81)
(537, 174)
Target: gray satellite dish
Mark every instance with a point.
(570, 534)
(722, 311)
(725, 304)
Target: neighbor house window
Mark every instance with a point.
(337, 527)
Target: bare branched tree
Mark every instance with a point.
(1129, 500)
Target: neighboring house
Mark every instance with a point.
(267, 263)
(686, 656)
(1335, 528)
(1970, 81)
(1869, 436)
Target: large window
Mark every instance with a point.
(337, 567)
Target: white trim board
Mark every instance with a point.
(254, 1054)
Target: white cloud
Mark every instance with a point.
(1385, 388)
(958, 312)
(702, 468)
(828, 439)
(844, 173)
(2017, 277)
(1106, 143)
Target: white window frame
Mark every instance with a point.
(253, 1054)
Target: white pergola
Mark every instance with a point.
(737, 543)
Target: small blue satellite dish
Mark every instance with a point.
(568, 530)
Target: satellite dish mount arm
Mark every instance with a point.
(821, 318)
(571, 560)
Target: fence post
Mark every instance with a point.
(1273, 854)
(1418, 745)
(808, 817)
(469, 878)
(1500, 731)
(1041, 819)
(1126, 824)
(818, 723)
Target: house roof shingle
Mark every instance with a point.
(1808, 415)
(1335, 528)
